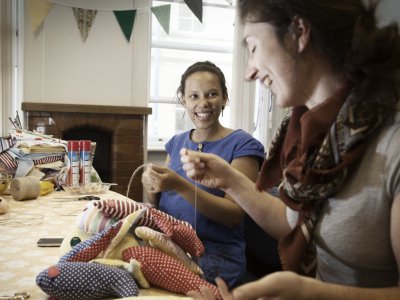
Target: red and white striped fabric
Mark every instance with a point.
(8, 160)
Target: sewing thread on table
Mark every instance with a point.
(14, 218)
(56, 205)
(195, 192)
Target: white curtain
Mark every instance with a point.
(10, 61)
(6, 64)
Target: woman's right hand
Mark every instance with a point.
(208, 169)
(148, 182)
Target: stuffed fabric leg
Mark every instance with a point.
(166, 272)
(85, 281)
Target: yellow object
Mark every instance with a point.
(4, 181)
(46, 187)
(3, 186)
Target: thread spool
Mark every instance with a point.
(24, 188)
(3, 206)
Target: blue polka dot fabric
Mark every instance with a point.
(85, 281)
(89, 249)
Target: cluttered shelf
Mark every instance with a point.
(25, 222)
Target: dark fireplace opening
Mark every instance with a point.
(103, 152)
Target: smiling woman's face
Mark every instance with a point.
(203, 99)
(271, 62)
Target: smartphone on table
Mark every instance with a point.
(49, 242)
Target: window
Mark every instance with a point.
(188, 41)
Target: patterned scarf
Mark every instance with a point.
(309, 158)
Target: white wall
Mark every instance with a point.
(103, 70)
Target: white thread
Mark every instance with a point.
(21, 219)
(132, 176)
(195, 205)
(195, 193)
(57, 204)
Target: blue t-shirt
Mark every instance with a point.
(224, 247)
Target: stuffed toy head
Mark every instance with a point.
(93, 220)
(105, 243)
(81, 280)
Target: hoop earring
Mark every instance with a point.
(222, 111)
(184, 112)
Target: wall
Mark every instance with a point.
(105, 69)
(157, 157)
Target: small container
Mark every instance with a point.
(73, 164)
(85, 162)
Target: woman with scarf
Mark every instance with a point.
(335, 156)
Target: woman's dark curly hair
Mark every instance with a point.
(201, 66)
(345, 33)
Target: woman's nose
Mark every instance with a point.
(251, 72)
(203, 101)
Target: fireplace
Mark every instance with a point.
(119, 132)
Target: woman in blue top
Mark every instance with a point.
(217, 220)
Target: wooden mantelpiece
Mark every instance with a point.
(127, 126)
(82, 108)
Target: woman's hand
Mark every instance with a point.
(206, 294)
(157, 179)
(207, 169)
(277, 286)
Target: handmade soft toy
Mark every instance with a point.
(81, 280)
(181, 232)
(75, 278)
(167, 272)
(103, 243)
(116, 247)
(165, 244)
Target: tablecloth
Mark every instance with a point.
(26, 222)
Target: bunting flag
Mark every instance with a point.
(84, 19)
(38, 11)
(126, 19)
(163, 14)
(196, 6)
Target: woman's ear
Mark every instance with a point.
(301, 31)
(225, 101)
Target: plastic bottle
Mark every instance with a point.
(73, 164)
(85, 163)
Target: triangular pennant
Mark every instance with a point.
(126, 19)
(84, 19)
(196, 6)
(163, 14)
(38, 11)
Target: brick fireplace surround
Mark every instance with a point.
(127, 126)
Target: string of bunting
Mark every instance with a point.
(39, 9)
